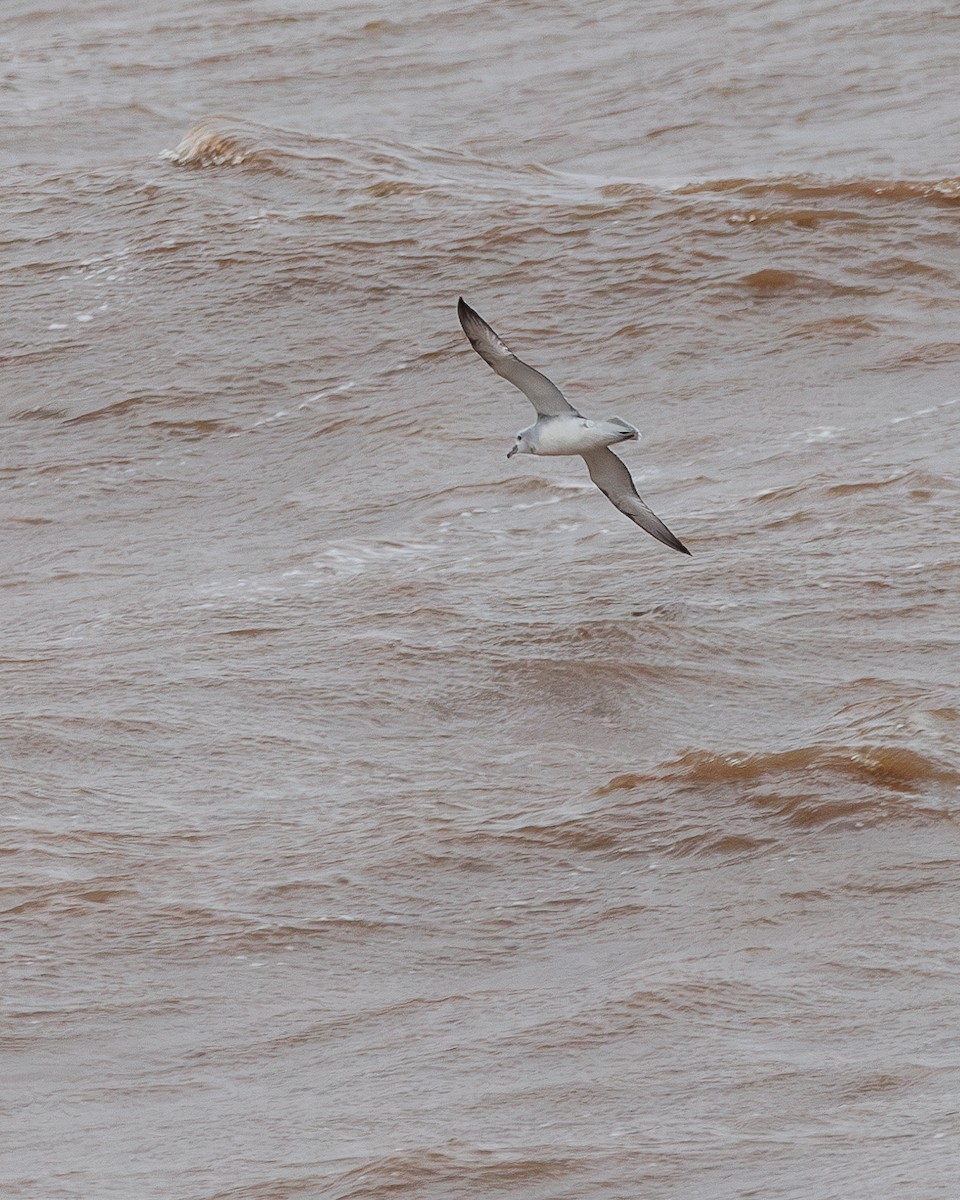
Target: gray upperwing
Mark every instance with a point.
(545, 396)
(613, 478)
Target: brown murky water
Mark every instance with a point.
(385, 818)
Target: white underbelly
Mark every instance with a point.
(577, 436)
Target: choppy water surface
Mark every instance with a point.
(385, 818)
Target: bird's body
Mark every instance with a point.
(560, 429)
(574, 434)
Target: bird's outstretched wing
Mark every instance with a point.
(545, 396)
(612, 477)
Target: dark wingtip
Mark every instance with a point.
(671, 540)
(468, 320)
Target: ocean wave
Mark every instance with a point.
(212, 143)
(775, 280)
(373, 167)
(918, 483)
(813, 785)
(819, 784)
(896, 767)
(482, 1169)
(943, 192)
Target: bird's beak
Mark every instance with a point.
(511, 453)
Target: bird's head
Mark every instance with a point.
(520, 446)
